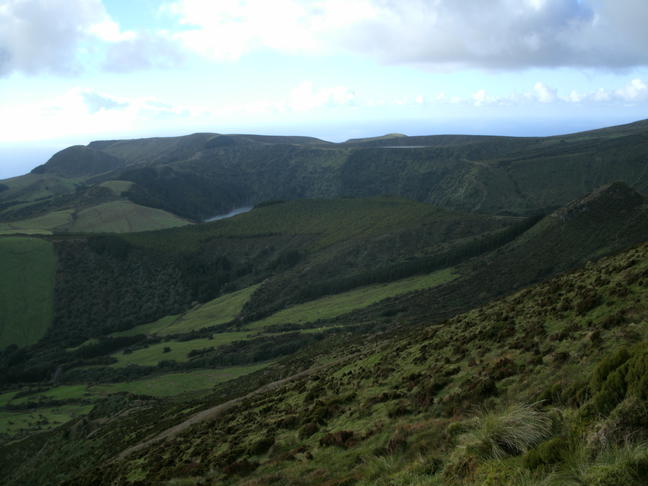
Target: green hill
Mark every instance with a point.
(545, 386)
(203, 174)
(323, 337)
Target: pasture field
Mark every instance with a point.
(32, 187)
(334, 305)
(117, 187)
(123, 217)
(45, 224)
(177, 350)
(27, 267)
(172, 384)
(218, 311)
(332, 220)
(38, 420)
(81, 398)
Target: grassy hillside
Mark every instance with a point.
(34, 411)
(218, 311)
(339, 304)
(27, 267)
(32, 187)
(204, 174)
(546, 386)
(108, 285)
(122, 217)
(44, 224)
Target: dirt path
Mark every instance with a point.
(213, 412)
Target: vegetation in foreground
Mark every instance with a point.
(547, 386)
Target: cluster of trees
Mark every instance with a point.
(421, 265)
(184, 193)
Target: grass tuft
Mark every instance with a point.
(509, 432)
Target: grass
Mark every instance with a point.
(123, 217)
(333, 221)
(43, 224)
(117, 187)
(38, 419)
(178, 350)
(338, 219)
(218, 311)
(31, 187)
(12, 423)
(512, 431)
(178, 383)
(401, 409)
(151, 328)
(27, 267)
(164, 385)
(335, 305)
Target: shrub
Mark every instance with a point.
(624, 372)
(610, 363)
(627, 466)
(342, 438)
(510, 432)
(307, 430)
(637, 376)
(547, 453)
(261, 446)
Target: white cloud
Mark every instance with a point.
(108, 30)
(143, 51)
(636, 90)
(544, 93)
(481, 98)
(633, 93)
(43, 35)
(227, 29)
(86, 112)
(498, 34)
(48, 36)
(96, 102)
(305, 97)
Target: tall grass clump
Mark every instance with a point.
(510, 432)
(625, 465)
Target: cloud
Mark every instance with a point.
(53, 35)
(83, 112)
(143, 51)
(543, 93)
(444, 34)
(97, 102)
(108, 30)
(305, 97)
(87, 112)
(43, 35)
(636, 90)
(50, 36)
(228, 29)
(634, 93)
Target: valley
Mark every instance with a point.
(376, 313)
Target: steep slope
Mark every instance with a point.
(609, 220)
(300, 252)
(546, 386)
(79, 161)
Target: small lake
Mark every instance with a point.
(233, 212)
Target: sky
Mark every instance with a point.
(73, 71)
